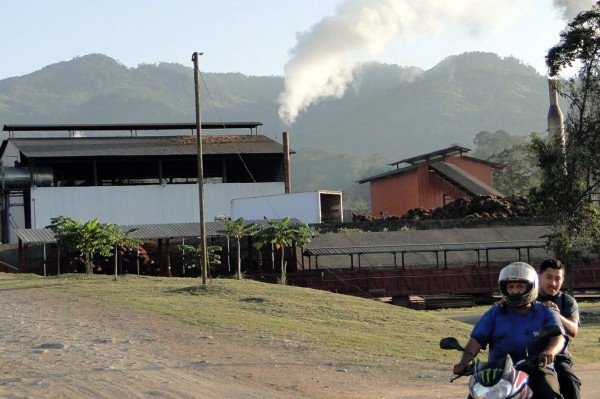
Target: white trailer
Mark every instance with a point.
(308, 207)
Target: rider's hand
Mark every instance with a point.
(545, 358)
(459, 369)
(552, 306)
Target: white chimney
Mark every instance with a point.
(555, 117)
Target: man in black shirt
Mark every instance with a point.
(552, 276)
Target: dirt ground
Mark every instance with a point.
(83, 348)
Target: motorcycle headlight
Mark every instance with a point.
(499, 391)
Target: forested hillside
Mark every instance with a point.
(388, 113)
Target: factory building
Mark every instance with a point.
(131, 179)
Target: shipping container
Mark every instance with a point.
(309, 207)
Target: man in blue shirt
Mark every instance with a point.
(508, 329)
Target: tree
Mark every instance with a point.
(124, 240)
(283, 233)
(194, 254)
(487, 144)
(521, 173)
(570, 174)
(580, 43)
(563, 194)
(86, 239)
(238, 229)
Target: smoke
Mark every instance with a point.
(570, 8)
(325, 58)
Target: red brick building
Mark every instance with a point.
(430, 181)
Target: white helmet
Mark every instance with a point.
(519, 271)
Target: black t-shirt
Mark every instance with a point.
(567, 305)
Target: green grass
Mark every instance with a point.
(345, 328)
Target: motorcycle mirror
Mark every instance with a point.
(450, 343)
(550, 330)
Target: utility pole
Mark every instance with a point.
(204, 262)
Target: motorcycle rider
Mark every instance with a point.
(508, 329)
(552, 276)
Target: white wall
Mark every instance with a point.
(302, 206)
(172, 203)
(305, 206)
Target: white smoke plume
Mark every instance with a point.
(570, 8)
(325, 58)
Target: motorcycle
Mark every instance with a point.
(501, 379)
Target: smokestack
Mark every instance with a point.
(286, 163)
(555, 117)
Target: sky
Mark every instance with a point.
(314, 44)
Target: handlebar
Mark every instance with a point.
(532, 361)
(469, 370)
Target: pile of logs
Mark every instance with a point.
(479, 207)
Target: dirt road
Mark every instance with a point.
(82, 348)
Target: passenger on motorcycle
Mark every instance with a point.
(552, 276)
(508, 329)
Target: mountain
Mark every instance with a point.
(395, 112)
(97, 89)
(445, 105)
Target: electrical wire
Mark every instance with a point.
(238, 153)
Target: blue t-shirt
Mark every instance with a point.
(509, 332)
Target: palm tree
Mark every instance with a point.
(238, 229)
(194, 255)
(283, 233)
(86, 239)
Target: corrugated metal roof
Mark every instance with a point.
(462, 180)
(128, 126)
(143, 231)
(494, 165)
(465, 246)
(35, 236)
(179, 230)
(144, 146)
(435, 155)
(386, 174)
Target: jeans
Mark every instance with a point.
(570, 385)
